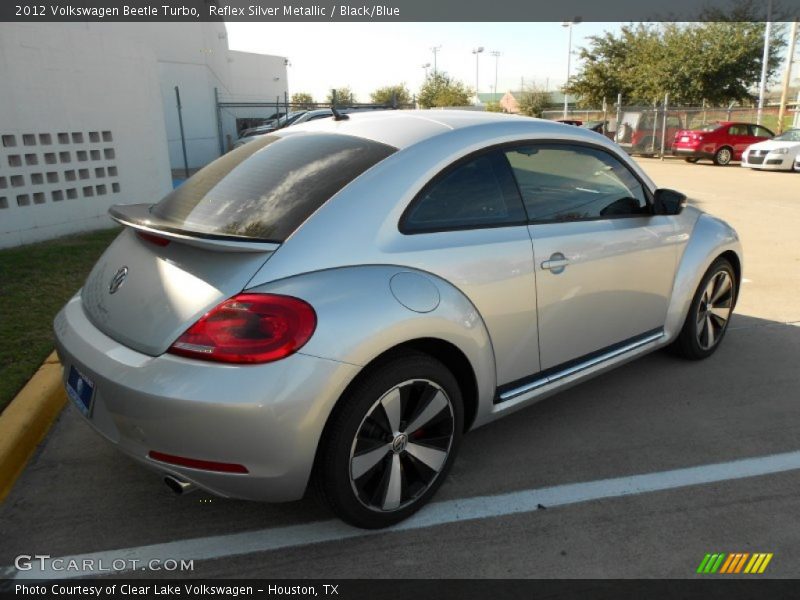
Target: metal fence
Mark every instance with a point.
(650, 130)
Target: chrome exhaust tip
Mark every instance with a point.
(179, 486)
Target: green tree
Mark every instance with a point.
(344, 96)
(386, 95)
(302, 99)
(493, 107)
(533, 101)
(717, 61)
(440, 90)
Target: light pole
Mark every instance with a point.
(426, 66)
(435, 50)
(477, 52)
(762, 87)
(496, 54)
(568, 25)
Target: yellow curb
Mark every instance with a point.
(27, 419)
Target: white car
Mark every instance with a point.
(781, 153)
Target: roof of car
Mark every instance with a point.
(403, 128)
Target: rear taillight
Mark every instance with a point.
(249, 328)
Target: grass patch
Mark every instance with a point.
(35, 282)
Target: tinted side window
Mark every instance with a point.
(268, 187)
(560, 182)
(477, 193)
(738, 130)
(759, 131)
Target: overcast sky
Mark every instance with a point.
(366, 56)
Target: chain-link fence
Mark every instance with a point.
(651, 130)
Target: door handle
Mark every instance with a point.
(556, 263)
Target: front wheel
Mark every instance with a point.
(709, 313)
(723, 156)
(391, 441)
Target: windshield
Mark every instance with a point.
(264, 190)
(711, 127)
(793, 135)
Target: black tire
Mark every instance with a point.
(691, 342)
(691, 159)
(723, 156)
(361, 500)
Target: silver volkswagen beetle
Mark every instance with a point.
(336, 303)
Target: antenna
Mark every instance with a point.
(337, 116)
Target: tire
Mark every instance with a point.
(723, 156)
(709, 312)
(796, 167)
(387, 449)
(691, 159)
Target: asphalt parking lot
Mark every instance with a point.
(518, 515)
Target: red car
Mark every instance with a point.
(720, 142)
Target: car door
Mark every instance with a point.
(468, 226)
(604, 263)
(739, 139)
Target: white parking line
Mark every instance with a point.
(438, 513)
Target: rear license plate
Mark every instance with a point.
(80, 389)
(685, 138)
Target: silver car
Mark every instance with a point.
(336, 303)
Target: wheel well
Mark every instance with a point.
(733, 258)
(450, 356)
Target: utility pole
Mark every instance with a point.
(787, 75)
(762, 88)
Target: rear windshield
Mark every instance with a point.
(268, 187)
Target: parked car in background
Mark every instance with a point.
(720, 142)
(284, 121)
(639, 132)
(576, 122)
(600, 127)
(781, 153)
(335, 304)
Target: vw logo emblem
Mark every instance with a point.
(117, 280)
(399, 443)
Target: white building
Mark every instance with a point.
(88, 116)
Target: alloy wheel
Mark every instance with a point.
(401, 445)
(723, 156)
(714, 310)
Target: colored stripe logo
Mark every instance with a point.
(735, 562)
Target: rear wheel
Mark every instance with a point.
(691, 159)
(709, 313)
(723, 156)
(391, 441)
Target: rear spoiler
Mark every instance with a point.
(139, 218)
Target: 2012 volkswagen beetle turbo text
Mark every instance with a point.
(336, 303)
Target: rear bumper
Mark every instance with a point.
(268, 418)
(691, 152)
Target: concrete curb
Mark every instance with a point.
(27, 419)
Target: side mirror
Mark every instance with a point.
(668, 202)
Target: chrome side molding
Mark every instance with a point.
(580, 366)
